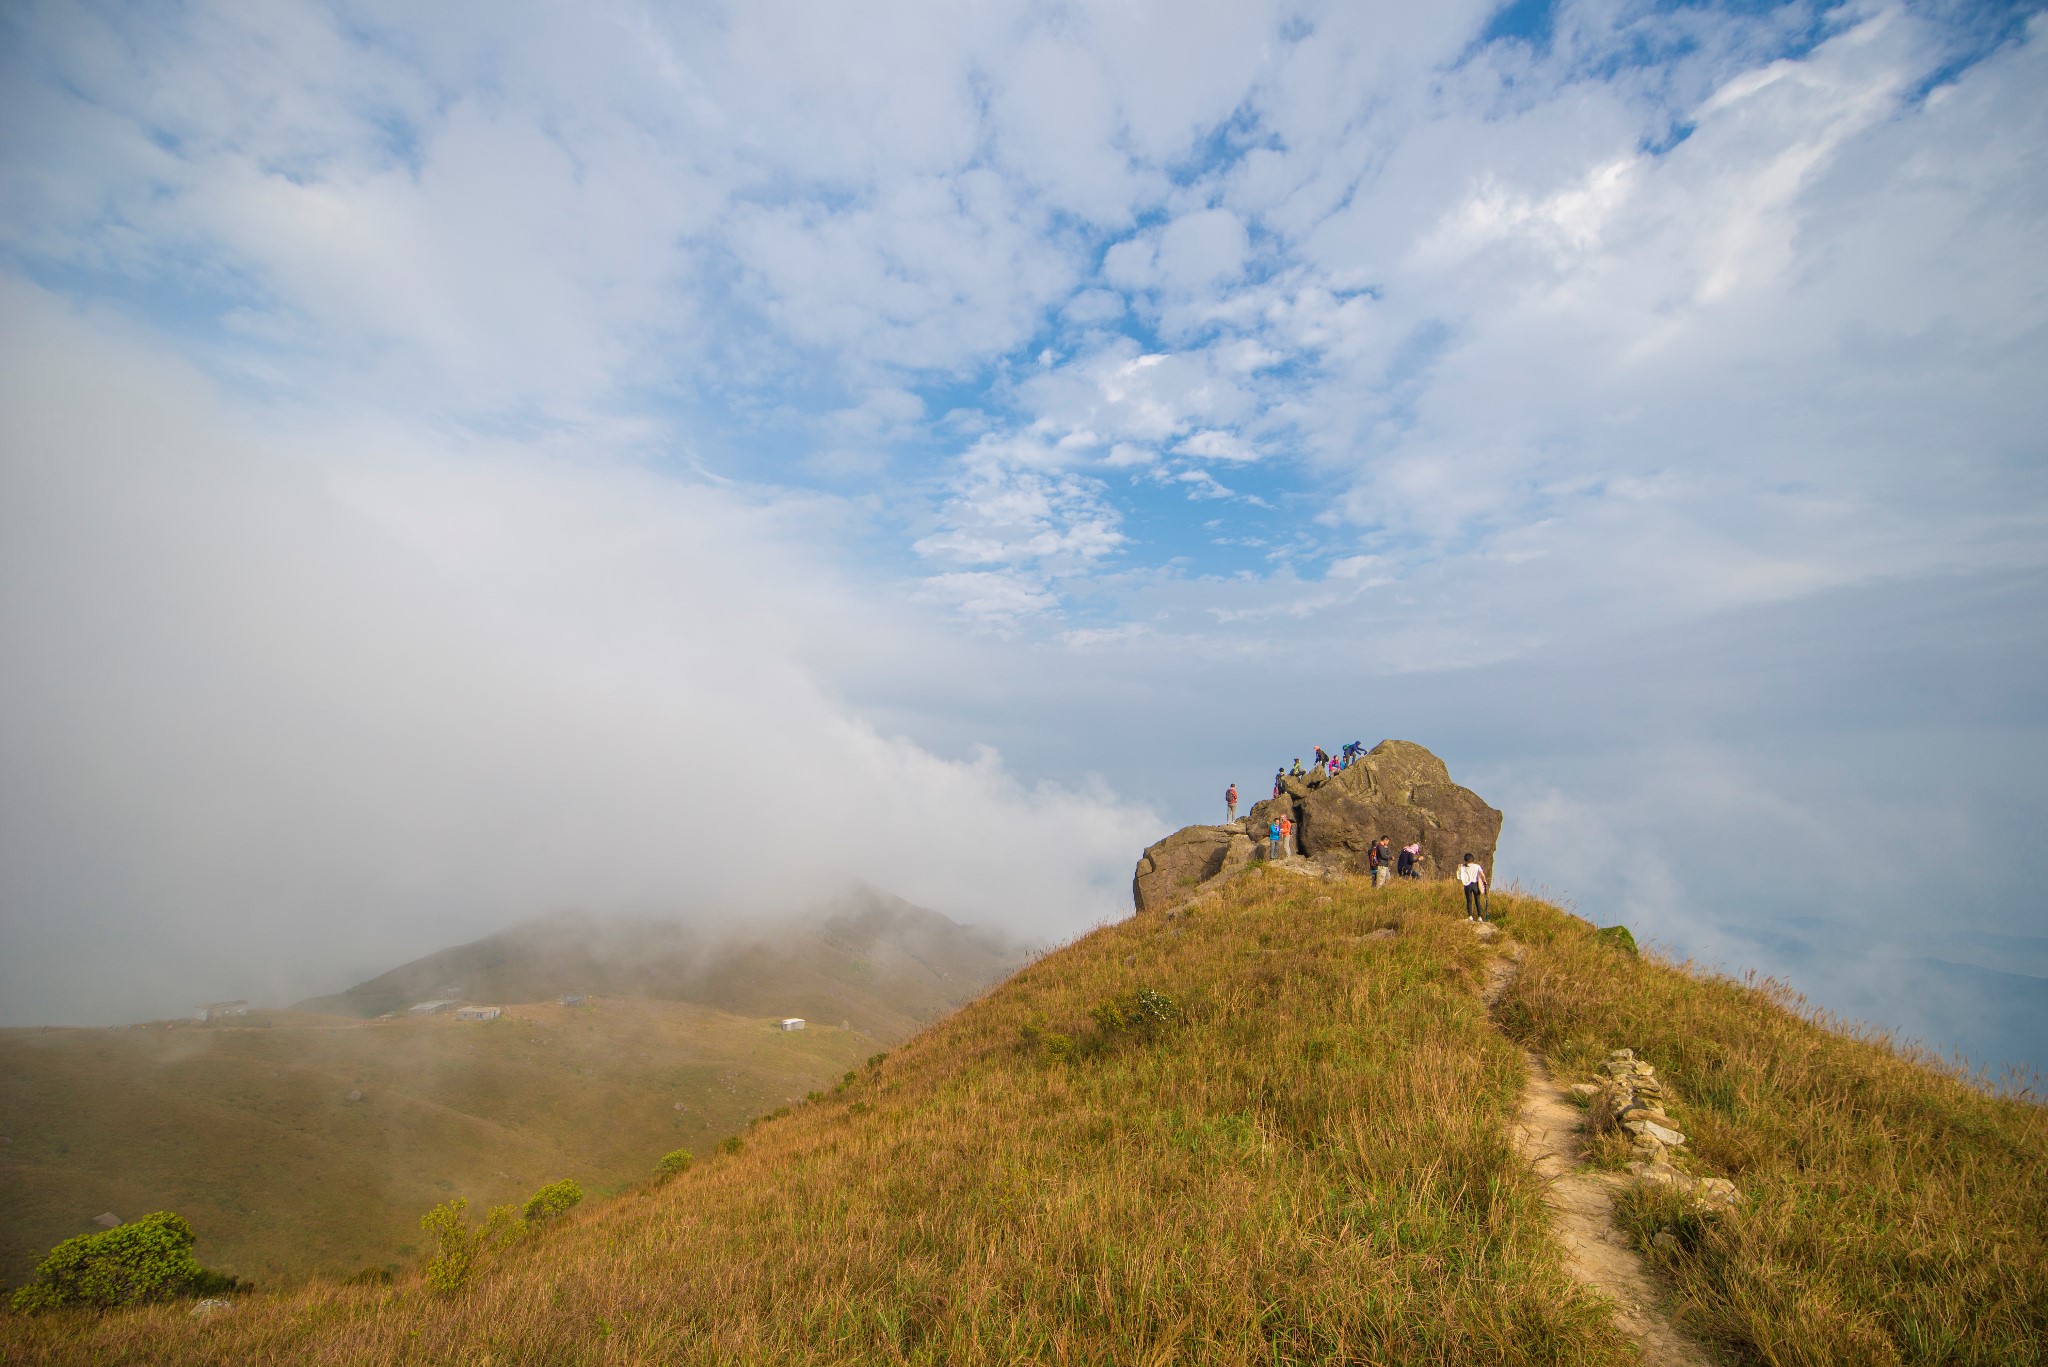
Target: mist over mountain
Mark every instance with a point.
(867, 958)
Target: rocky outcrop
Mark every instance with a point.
(1398, 790)
(1170, 871)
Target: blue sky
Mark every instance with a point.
(1023, 419)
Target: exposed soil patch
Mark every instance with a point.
(1581, 1200)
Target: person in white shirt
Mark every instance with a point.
(1474, 879)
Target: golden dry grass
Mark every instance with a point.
(1310, 1164)
(1309, 1161)
(1895, 1213)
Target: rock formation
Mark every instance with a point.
(1398, 790)
(1170, 871)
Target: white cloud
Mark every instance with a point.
(1201, 249)
(320, 694)
(1214, 445)
(1202, 484)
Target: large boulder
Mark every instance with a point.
(1401, 791)
(1398, 790)
(1170, 871)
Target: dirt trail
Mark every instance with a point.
(1581, 1201)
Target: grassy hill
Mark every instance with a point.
(1265, 1130)
(245, 1125)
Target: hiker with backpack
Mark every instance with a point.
(1230, 802)
(1404, 866)
(1380, 860)
(1474, 879)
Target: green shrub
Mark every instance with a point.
(1143, 1014)
(459, 1246)
(149, 1259)
(674, 1162)
(731, 1144)
(1049, 1044)
(554, 1199)
(1616, 937)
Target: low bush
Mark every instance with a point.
(1143, 1014)
(552, 1200)
(461, 1247)
(1617, 937)
(149, 1259)
(673, 1163)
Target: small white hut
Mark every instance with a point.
(792, 1022)
(479, 1013)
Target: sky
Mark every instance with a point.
(462, 462)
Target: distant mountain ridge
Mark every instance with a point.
(868, 958)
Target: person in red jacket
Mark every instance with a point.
(1230, 802)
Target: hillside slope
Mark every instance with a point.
(248, 1130)
(1274, 1127)
(876, 962)
(246, 1126)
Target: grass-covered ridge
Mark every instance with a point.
(1261, 1131)
(1305, 1157)
(1895, 1214)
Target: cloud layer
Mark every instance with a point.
(467, 448)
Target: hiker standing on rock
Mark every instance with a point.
(1230, 802)
(1287, 836)
(1474, 879)
(1273, 839)
(1278, 785)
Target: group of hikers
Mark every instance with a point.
(1384, 862)
(1325, 764)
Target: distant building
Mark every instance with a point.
(214, 1011)
(478, 1013)
(573, 999)
(793, 1023)
(433, 1008)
